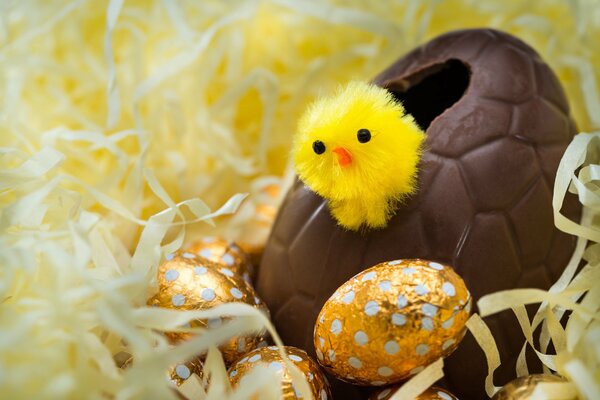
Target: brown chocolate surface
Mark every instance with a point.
(497, 122)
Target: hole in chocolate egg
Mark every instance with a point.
(428, 92)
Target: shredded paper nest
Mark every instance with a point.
(128, 128)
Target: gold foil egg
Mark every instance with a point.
(270, 358)
(229, 254)
(262, 209)
(522, 388)
(433, 393)
(391, 320)
(179, 373)
(187, 282)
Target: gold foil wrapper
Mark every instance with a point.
(270, 358)
(433, 393)
(188, 282)
(228, 254)
(254, 238)
(179, 373)
(522, 388)
(390, 321)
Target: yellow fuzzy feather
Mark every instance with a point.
(362, 181)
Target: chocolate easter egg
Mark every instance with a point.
(269, 357)
(390, 321)
(497, 123)
(228, 254)
(189, 282)
(522, 388)
(433, 393)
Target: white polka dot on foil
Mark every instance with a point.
(275, 366)
(331, 355)
(228, 259)
(171, 275)
(254, 358)
(421, 290)
(206, 253)
(448, 343)
(235, 292)
(385, 371)
(449, 289)
(429, 309)
(178, 300)
(385, 286)
(208, 294)
(170, 256)
(415, 371)
(402, 301)
(336, 327)
(422, 349)
(436, 266)
(395, 262)
(427, 324)
(383, 394)
(348, 297)
(189, 255)
(355, 362)
(361, 338)
(447, 324)
(226, 271)
(182, 371)
(408, 271)
(371, 308)
(369, 276)
(444, 396)
(294, 357)
(391, 347)
(398, 319)
(200, 270)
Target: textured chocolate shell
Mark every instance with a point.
(497, 124)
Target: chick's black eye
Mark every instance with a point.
(319, 147)
(363, 135)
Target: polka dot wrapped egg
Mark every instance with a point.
(187, 282)
(269, 357)
(229, 254)
(181, 372)
(433, 393)
(390, 321)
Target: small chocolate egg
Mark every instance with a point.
(433, 393)
(188, 282)
(179, 373)
(270, 357)
(391, 320)
(255, 232)
(522, 388)
(229, 254)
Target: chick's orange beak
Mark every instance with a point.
(344, 158)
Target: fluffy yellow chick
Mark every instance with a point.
(359, 150)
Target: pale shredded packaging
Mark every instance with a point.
(124, 123)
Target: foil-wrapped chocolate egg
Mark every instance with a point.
(228, 254)
(179, 373)
(256, 231)
(433, 393)
(270, 358)
(188, 282)
(391, 320)
(522, 388)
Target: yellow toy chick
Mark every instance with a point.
(359, 150)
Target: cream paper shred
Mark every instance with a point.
(129, 128)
